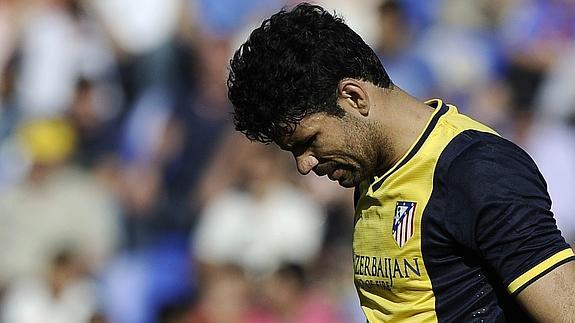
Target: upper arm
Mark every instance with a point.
(502, 213)
(550, 298)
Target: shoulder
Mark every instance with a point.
(484, 179)
(475, 155)
(476, 143)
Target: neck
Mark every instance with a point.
(404, 118)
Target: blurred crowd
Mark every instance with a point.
(127, 197)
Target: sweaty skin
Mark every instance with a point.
(550, 298)
(366, 141)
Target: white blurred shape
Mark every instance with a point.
(139, 26)
(49, 68)
(260, 234)
(69, 209)
(31, 301)
(556, 99)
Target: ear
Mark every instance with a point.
(353, 96)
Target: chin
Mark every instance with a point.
(351, 178)
(348, 182)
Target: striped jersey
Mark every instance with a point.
(455, 229)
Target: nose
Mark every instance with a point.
(305, 163)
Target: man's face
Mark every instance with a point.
(343, 148)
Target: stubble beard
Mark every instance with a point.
(372, 149)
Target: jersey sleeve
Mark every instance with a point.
(501, 210)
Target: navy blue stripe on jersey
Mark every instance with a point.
(432, 123)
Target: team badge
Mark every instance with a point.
(403, 222)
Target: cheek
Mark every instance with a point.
(345, 144)
(355, 143)
(358, 145)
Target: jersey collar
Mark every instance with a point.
(440, 109)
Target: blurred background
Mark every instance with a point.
(126, 196)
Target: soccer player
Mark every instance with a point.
(452, 222)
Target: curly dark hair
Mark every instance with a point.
(290, 67)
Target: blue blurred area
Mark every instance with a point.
(137, 285)
(120, 169)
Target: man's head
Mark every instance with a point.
(302, 80)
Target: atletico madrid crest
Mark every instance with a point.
(403, 222)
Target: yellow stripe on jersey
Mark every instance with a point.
(531, 274)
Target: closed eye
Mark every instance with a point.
(301, 147)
